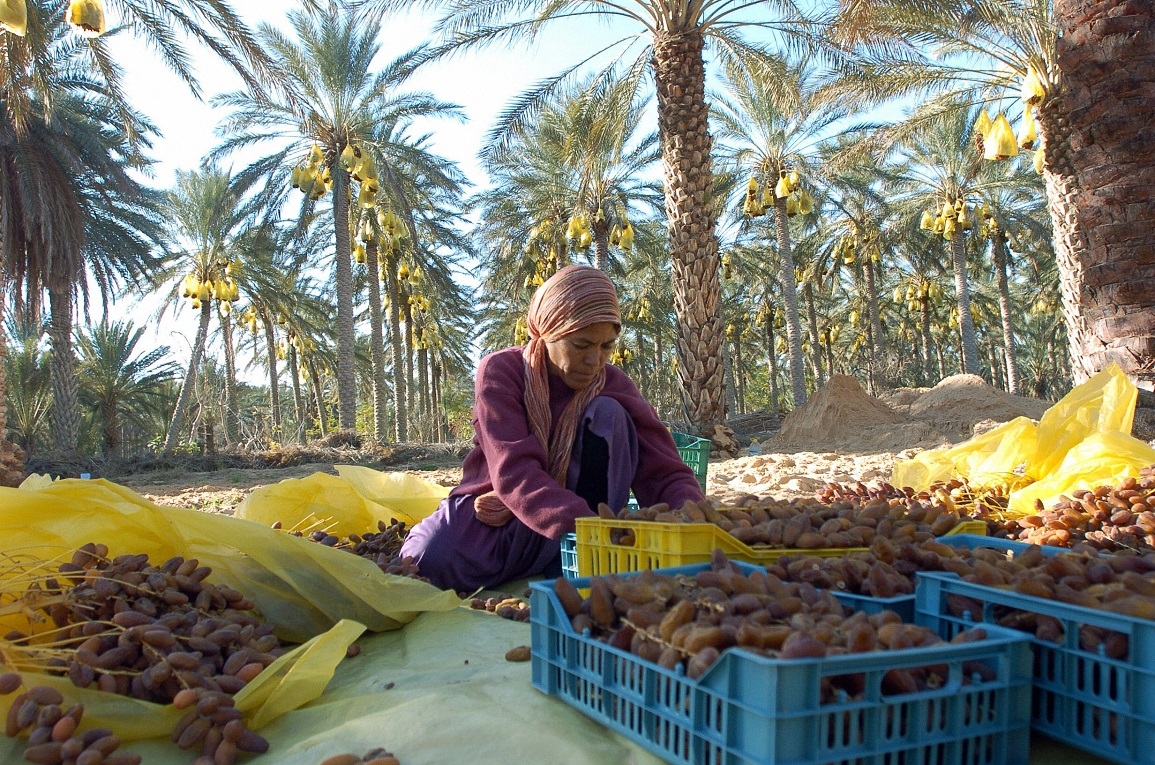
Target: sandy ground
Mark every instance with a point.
(841, 435)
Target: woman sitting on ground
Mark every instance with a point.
(557, 431)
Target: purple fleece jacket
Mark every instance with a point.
(507, 457)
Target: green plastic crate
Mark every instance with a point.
(695, 453)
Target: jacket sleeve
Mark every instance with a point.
(516, 459)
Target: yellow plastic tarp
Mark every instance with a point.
(404, 496)
(302, 587)
(983, 459)
(437, 692)
(313, 594)
(351, 503)
(1101, 459)
(1082, 441)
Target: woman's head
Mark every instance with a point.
(575, 314)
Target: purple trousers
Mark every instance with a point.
(456, 551)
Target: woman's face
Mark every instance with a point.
(578, 357)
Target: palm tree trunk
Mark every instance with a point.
(319, 397)
(1100, 167)
(739, 375)
(970, 353)
(11, 455)
(438, 408)
(110, 430)
(601, 237)
(924, 325)
(683, 131)
(772, 361)
(232, 399)
(400, 389)
(877, 339)
(343, 278)
(65, 403)
(274, 383)
(815, 342)
(407, 367)
(790, 298)
(999, 251)
(190, 379)
(377, 344)
(730, 387)
(298, 398)
(423, 384)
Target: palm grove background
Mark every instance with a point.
(773, 230)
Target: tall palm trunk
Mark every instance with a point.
(772, 361)
(790, 298)
(601, 237)
(232, 399)
(407, 367)
(739, 375)
(343, 278)
(927, 347)
(11, 455)
(683, 131)
(877, 340)
(730, 384)
(274, 383)
(1103, 177)
(65, 401)
(999, 251)
(400, 389)
(438, 408)
(319, 397)
(970, 353)
(190, 379)
(298, 399)
(377, 343)
(423, 386)
(110, 439)
(815, 340)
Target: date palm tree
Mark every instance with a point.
(674, 38)
(1105, 51)
(42, 239)
(770, 132)
(335, 96)
(983, 51)
(584, 155)
(121, 383)
(211, 227)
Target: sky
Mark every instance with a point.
(481, 83)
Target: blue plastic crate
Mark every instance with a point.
(971, 541)
(1081, 697)
(748, 709)
(569, 566)
(903, 605)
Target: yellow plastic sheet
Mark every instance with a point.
(350, 503)
(293, 680)
(313, 594)
(984, 459)
(300, 586)
(319, 501)
(1083, 441)
(1103, 404)
(404, 497)
(1100, 459)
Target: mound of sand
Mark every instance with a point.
(956, 404)
(839, 415)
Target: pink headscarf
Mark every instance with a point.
(572, 299)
